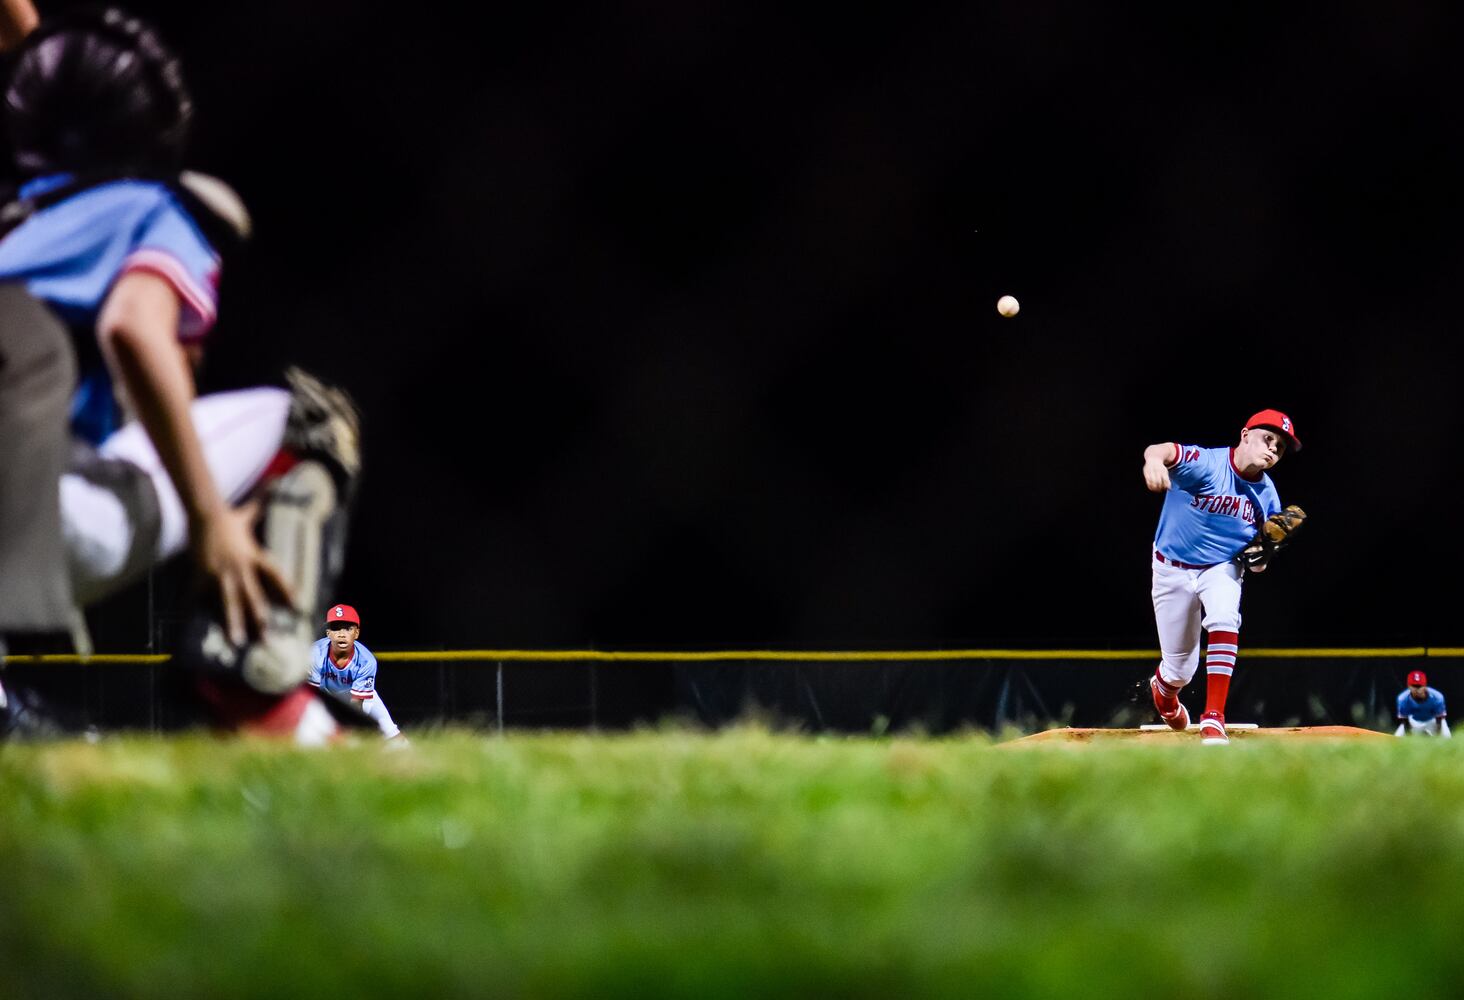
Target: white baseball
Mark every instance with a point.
(1008, 306)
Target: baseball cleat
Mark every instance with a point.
(1212, 729)
(1170, 708)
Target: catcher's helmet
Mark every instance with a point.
(93, 90)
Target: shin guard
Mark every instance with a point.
(303, 528)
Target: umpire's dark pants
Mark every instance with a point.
(37, 377)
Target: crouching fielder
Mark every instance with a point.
(1216, 501)
(341, 665)
(1421, 710)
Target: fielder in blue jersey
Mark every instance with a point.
(341, 664)
(1215, 499)
(1421, 709)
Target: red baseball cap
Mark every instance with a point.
(342, 613)
(1277, 421)
(1417, 677)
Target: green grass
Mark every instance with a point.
(737, 864)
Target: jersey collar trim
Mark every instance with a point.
(1237, 471)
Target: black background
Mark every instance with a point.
(674, 324)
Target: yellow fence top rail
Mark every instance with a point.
(804, 656)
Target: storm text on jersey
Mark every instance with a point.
(1227, 506)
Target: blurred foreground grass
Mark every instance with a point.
(736, 864)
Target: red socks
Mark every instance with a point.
(1166, 689)
(1219, 665)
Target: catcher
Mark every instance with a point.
(1221, 520)
(109, 463)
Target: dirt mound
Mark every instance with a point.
(1082, 737)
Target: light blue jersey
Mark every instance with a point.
(70, 254)
(1210, 512)
(1432, 707)
(356, 679)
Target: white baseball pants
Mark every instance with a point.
(106, 527)
(1433, 727)
(1185, 600)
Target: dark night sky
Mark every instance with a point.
(674, 323)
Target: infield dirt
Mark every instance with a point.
(1087, 737)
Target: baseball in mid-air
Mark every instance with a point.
(1008, 306)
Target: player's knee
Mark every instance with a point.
(1179, 670)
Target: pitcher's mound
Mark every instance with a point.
(1238, 734)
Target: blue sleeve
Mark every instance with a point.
(70, 254)
(1402, 705)
(364, 686)
(168, 244)
(1442, 709)
(1192, 472)
(316, 652)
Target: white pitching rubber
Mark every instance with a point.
(1158, 726)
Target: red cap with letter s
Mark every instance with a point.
(342, 614)
(1276, 420)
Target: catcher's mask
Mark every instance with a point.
(96, 88)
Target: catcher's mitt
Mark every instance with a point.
(1274, 535)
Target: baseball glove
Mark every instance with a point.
(1274, 535)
